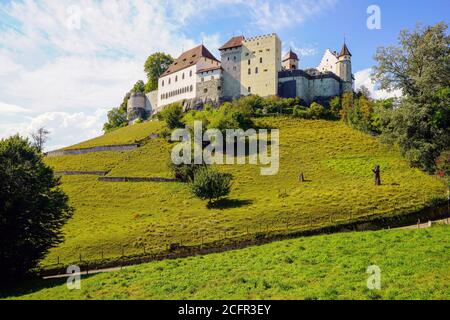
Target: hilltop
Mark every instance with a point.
(115, 219)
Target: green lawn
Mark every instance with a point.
(337, 162)
(126, 135)
(414, 265)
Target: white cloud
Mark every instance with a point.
(275, 15)
(362, 78)
(63, 63)
(304, 51)
(65, 128)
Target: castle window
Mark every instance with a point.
(191, 88)
(249, 89)
(162, 83)
(169, 80)
(249, 71)
(249, 61)
(260, 60)
(203, 79)
(234, 58)
(205, 90)
(256, 70)
(182, 76)
(176, 78)
(190, 73)
(228, 58)
(219, 88)
(234, 68)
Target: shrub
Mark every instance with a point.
(209, 184)
(33, 208)
(316, 111)
(185, 172)
(172, 115)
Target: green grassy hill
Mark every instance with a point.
(413, 263)
(112, 219)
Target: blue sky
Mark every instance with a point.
(63, 64)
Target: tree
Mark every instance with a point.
(154, 67)
(33, 208)
(139, 87)
(209, 184)
(117, 118)
(40, 137)
(335, 107)
(172, 115)
(443, 166)
(419, 65)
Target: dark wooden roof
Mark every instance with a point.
(189, 58)
(233, 43)
(290, 55)
(345, 51)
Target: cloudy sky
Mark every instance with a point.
(63, 64)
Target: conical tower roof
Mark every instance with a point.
(345, 51)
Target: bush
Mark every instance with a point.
(185, 172)
(172, 115)
(33, 209)
(316, 111)
(209, 184)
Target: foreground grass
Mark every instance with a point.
(112, 219)
(414, 265)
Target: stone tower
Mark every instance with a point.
(290, 61)
(344, 68)
(230, 54)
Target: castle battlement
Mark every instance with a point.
(256, 38)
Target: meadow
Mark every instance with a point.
(115, 219)
(414, 265)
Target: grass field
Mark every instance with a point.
(116, 218)
(414, 265)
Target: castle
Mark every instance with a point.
(246, 66)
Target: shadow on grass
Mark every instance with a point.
(32, 285)
(228, 204)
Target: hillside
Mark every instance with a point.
(115, 219)
(413, 263)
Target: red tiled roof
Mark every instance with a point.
(290, 55)
(189, 58)
(233, 43)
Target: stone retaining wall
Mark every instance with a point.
(77, 173)
(136, 179)
(119, 147)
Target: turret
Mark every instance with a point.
(290, 61)
(345, 65)
(136, 107)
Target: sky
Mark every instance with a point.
(64, 64)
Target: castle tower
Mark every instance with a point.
(344, 65)
(230, 56)
(290, 61)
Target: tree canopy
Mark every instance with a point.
(156, 64)
(33, 208)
